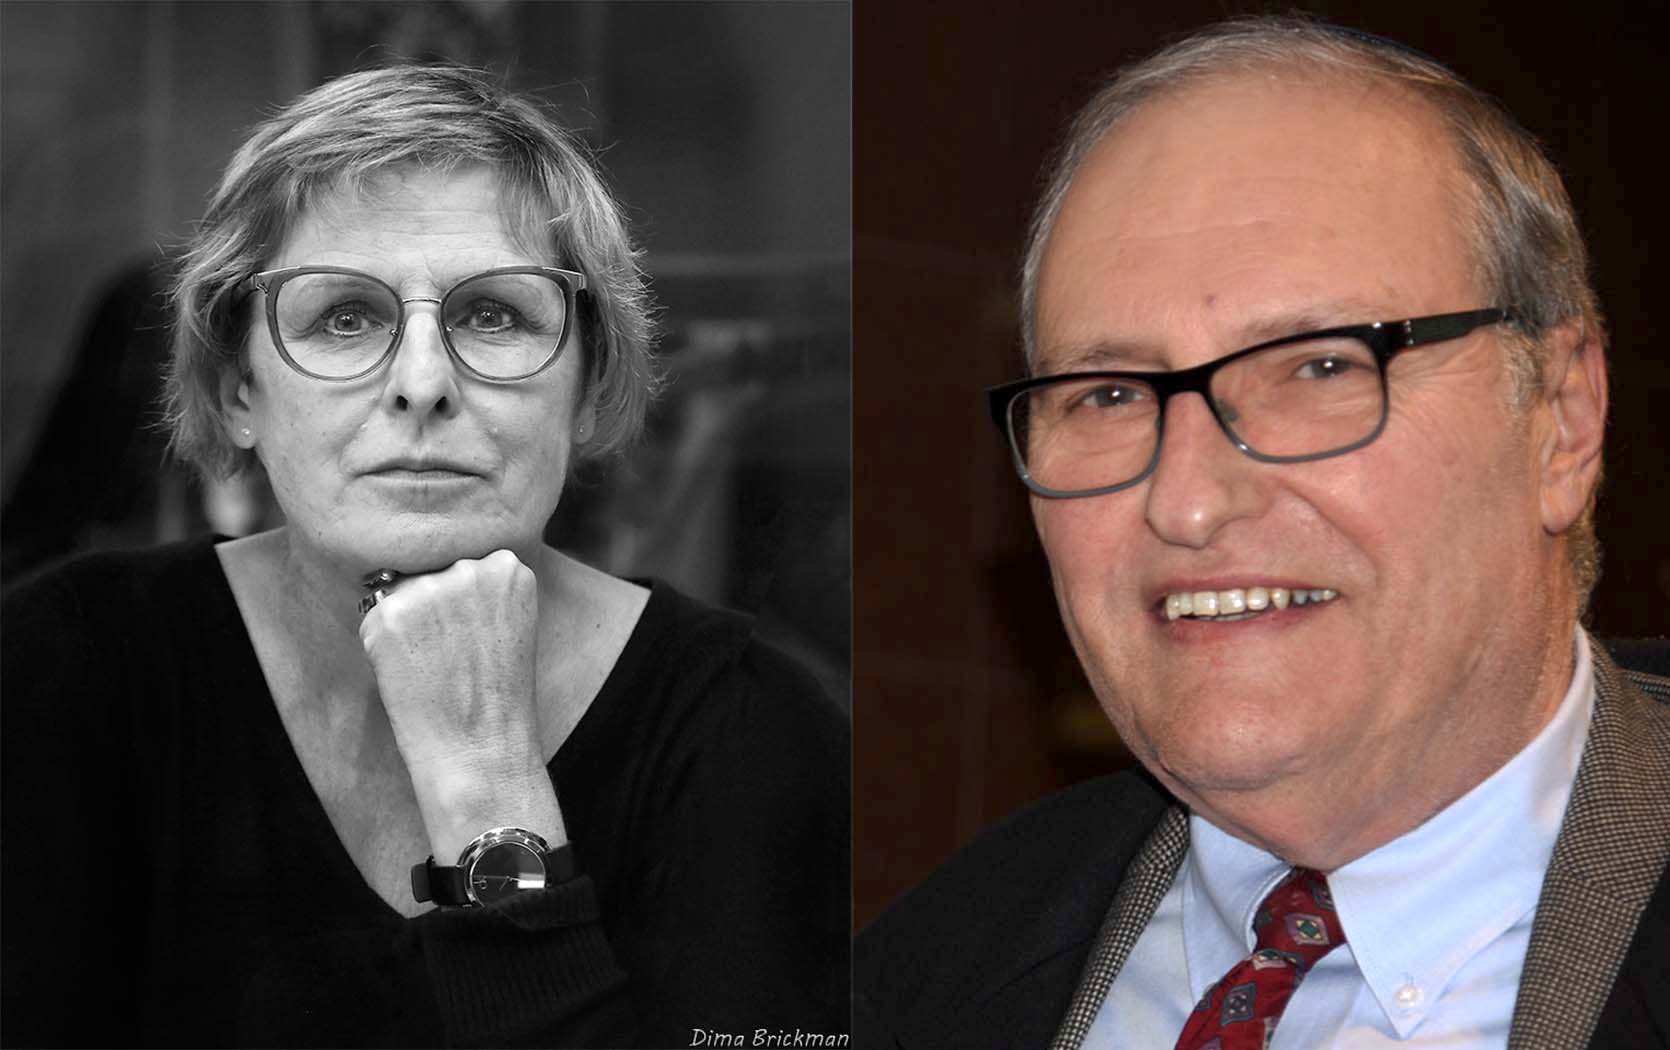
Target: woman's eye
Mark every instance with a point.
(348, 319)
(491, 317)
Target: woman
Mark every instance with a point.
(396, 773)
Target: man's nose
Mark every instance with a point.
(1202, 481)
(423, 378)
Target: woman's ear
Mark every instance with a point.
(235, 407)
(585, 421)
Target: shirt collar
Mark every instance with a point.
(1418, 908)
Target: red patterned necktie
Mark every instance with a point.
(1296, 925)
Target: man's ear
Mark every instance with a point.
(1573, 400)
(235, 408)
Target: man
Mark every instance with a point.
(1313, 441)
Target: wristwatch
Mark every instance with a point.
(495, 865)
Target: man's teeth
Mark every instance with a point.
(1237, 602)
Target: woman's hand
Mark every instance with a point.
(454, 654)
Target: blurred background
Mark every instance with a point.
(725, 130)
(969, 700)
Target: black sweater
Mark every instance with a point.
(173, 880)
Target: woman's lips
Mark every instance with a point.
(423, 468)
(422, 473)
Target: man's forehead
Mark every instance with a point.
(1259, 194)
(1253, 95)
(1237, 129)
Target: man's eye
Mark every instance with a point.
(1327, 367)
(1111, 395)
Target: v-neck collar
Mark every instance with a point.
(254, 695)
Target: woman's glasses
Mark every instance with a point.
(337, 324)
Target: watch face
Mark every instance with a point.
(503, 869)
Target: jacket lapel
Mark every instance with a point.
(1609, 856)
(1145, 883)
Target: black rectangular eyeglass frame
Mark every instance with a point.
(1385, 339)
(268, 282)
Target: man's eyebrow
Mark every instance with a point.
(1313, 318)
(1102, 355)
(1136, 355)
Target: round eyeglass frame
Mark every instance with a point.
(268, 282)
(1386, 339)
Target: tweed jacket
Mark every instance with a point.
(1016, 941)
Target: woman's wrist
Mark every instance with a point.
(461, 801)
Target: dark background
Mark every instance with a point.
(724, 129)
(968, 699)
(726, 133)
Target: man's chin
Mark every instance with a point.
(1201, 769)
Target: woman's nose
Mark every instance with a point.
(423, 378)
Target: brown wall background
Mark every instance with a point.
(968, 702)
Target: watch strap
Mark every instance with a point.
(448, 884)
(440, 883)
(561, 865)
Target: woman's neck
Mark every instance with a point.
(308, 604)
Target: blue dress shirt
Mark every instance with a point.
(1436, 921)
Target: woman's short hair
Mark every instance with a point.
(350, 130)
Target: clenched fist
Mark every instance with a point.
(454, 653)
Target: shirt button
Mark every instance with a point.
(1409, 996)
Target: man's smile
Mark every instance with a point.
(1239, 603)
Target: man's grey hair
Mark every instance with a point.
(1528, 250)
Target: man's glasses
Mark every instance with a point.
(1289, 400)
(338, 324)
